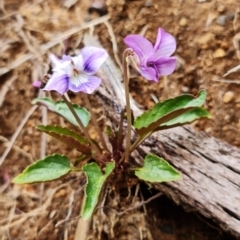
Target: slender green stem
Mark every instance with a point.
(138, 141)
(65, 98)
(135, 144)
(129, 115)
(95, 122)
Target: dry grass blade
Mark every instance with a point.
(55, 41)
(114, 43)
(16, 148)
(227, 80)
(15, 135)
(5, 88)
(235, 69)
(16, 220)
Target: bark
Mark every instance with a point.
(210, 167)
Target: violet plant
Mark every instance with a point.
(98, 162)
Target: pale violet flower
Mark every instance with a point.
(153, 61)
(76, 73)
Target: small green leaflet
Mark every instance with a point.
(47, 169)
(95, 181)
(167, 110)
(156, 169)
(67, 136)
(186, 117)
(61, 108)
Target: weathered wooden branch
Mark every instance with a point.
(210, 167)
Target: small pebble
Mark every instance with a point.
(208, 130)
(183, 22)
(225, 128)
(221, 8)
(219, 53)
(227, 118)
(185, 89)
(148, 3)
(228, 97)
(205, 40)
(221, 20)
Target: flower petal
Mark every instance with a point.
(56, 62)
(57, 82)
(66, 58)
(165, 44)
(87, 84)
(140, 45)
(149, 73)
(93, 58)
(78, 62)
(66, 68)
(165, 66)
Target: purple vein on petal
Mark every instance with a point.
(93, 58)
(165, 44)
(165, 66)
(58, 82)
(90, 85)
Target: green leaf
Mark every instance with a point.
(67, 136)
(156, 169)
(187, 117)
(165, 111)
(95, 181)
(61, 108)
(47, 169)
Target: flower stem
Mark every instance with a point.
(95, 122)
(120, 130)
(65, 98)
(138, 141)
(128, 109)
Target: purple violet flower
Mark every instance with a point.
(76, 73)
(153, 61)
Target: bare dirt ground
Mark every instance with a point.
(204, 32)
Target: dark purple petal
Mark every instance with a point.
(87, 84)
(165, 66)
(93, 58)
(165, 44)
(149, 73)
(58, 82)
(140, 45)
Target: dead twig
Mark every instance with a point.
(227, 81)
(140, 204)
(83, 226)
(16, 220)
(82, 229)
(5, 88)
(114, 43)
(55, 41)
(18, 149)
(15, 135)
(235, 69)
